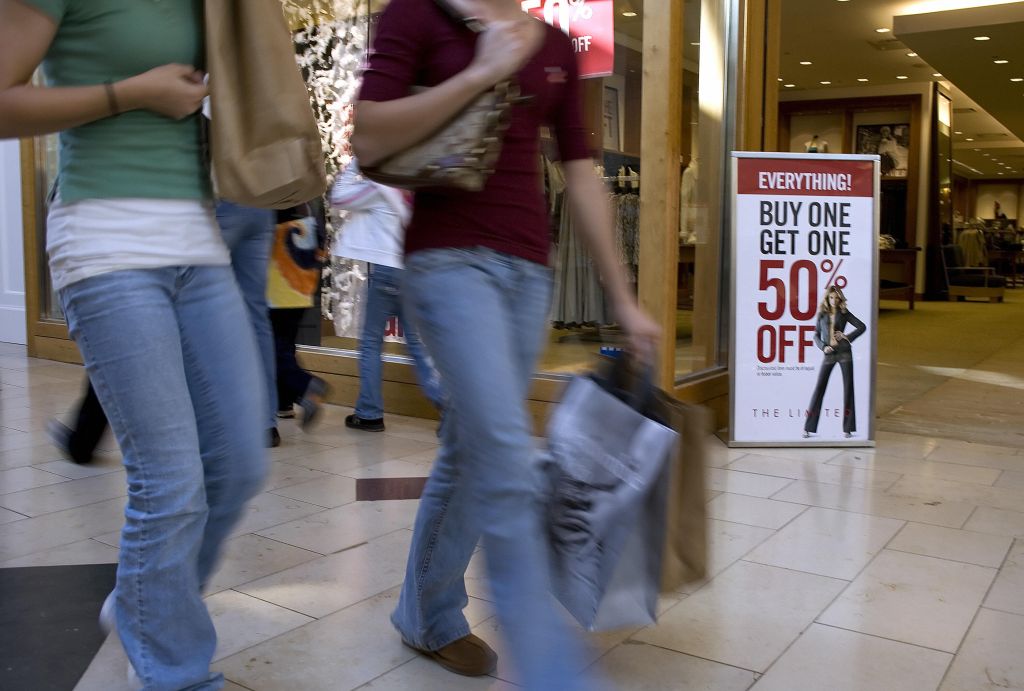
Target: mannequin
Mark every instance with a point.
(688, 204)
(816, 145)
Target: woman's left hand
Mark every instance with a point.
(642, 331)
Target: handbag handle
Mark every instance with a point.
(631, 383)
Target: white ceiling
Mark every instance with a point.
(840, 39)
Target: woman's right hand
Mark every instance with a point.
(505, 46)
(173, 90)
(829, 349)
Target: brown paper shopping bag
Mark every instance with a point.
(686, 551)
(264, 141)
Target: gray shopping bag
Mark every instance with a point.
(608, 468)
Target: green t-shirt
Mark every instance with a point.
(138, 153)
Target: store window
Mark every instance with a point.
(702, 194)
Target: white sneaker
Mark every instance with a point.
(108, 624)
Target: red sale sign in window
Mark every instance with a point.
(590, 24)
(805, 289)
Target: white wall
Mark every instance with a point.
(1007, 194)
(12, 268)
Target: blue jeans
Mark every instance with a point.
(482, 316)
(167, 354)
(249, 235)
(383, 300)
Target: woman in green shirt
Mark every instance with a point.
(145, 281)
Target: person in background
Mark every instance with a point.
(294, 278)
(477, 289)
(145, 280)
(373, 232)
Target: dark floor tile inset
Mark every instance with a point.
(382, 488)
(48, 624)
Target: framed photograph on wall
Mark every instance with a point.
(610, 119)
(891, 142)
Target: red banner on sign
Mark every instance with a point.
(590, 24)
(804, 178)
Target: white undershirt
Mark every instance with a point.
(96, 236)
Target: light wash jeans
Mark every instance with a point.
(249, 235)
(383, 300)
(482, 316)
(171, 356)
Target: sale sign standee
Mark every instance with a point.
(804, 297)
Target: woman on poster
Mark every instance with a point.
(830, 335)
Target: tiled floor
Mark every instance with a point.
(900, 567)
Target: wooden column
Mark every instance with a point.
(30, 242)
(660, 144)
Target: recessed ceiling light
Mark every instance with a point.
(978, 150)
(826, 83)
(1017, 79)
(781, 79)
(969, 139)
(911, 55)
(862, 79)
(695, 43)
(936, 74)
(981, 38)
(901, 76)
(806, 62)
(957, 132)
(1000, 62)
(882, 30)
(789, 86)
(629, 13)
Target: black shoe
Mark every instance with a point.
(273, 438)
(356, 422)
(60, 435)
(311, 400)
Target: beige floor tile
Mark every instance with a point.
(362, 646)
(816, 454)
(336, 529)
(727, 542)
(19, 479)
(30, 535)
(328, 584)
(249, 557)
(242, 621)
(102, 464)
(990, 658)
(751, 484)
(815, 471)
(917, 467)
(283, 474)
(297, 448)
(66, 495)
(947, 491)
(8, 516)
(424, 675)
(876, 503)
(329, 492)
(831, 543)
(641, 667)
(904, 445)
(906, 597)
(987, 455)
(396, 468)
(1013, 479)
(746, 617)
(949, 543)
(82, 552)
(267, 510)
(764, 513)
(1007, 593)
(839, 660)
(997, 522)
